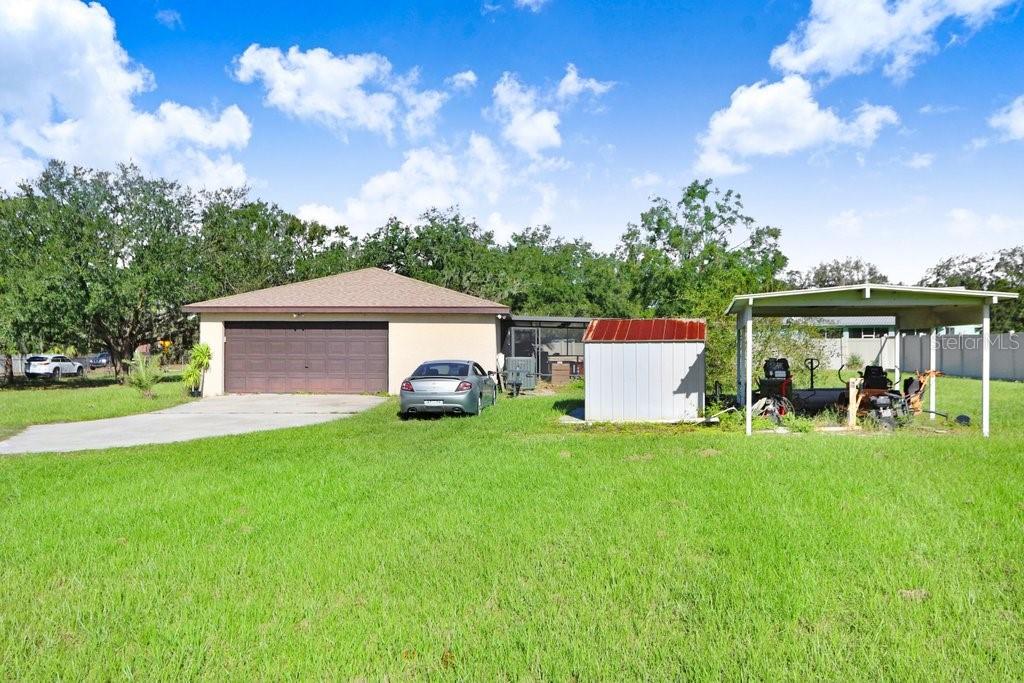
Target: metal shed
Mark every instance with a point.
(644, 370)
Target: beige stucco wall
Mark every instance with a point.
(412, 339)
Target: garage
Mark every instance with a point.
(316, 357)
(363, 331)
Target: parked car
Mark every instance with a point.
(458, 387)
(100, 360)
(52, 367)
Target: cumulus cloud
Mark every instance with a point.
(773, 119)
(646, 180)
(528, 117)
(919, 160)
(321, 213)
(853, 36)
(526, 125)
(69, 90)
(572, 86)
(1009, 120)
(341, 92)
(464, 80)
(474, 178)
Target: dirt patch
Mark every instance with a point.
(915, 594)
(564, 454)
(710, 452)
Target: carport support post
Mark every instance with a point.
(748, 333)
(932, 343)
(986, 360)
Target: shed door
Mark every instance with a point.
(318, 357)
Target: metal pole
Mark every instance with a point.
(933, 342)
(897, 352)
(986, 362)
(748, 318)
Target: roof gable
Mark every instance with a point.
(370, 290)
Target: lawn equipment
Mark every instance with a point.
(774, 391)
(880, 402)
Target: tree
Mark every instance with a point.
(1000, 271)
(849, 271)
(690, 258)
(544, 275)
(113, 259)
(245, 245)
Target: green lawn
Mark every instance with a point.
(71, 400)
(510, 547)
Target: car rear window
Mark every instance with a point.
(36, 359)
(442, 370)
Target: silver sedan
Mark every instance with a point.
(457, 387)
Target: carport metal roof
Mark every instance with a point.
(913, 308)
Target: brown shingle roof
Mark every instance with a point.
(370, 290)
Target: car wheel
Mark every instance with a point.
(56, 374)
(80, 372)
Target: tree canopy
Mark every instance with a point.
(106, 260)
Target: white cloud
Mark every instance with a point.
(937, 109)
(529, 121)
(771, 119)
(852, 36)
(474, 178)
(646, 180)
(532, 5)
(526, 125)
(464, 80)
(848, 222)
(919, 160)
(968, 224)
(422, 106)
(1009, 120)
(572, 86)
(68, 92)
(321, 213)
(544, 214)
(355, 91)
(170, 18)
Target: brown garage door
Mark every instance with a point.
(323, 357)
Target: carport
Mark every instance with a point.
(915, 308)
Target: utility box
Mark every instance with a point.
(644, 370)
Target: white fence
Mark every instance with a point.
(878, 351)
(960, 355)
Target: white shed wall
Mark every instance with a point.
(657, 381)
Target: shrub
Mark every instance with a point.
(854, 362)
(198, 364)
(200, 357)
(192, 377)
(145, 373)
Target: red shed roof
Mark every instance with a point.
(636, 330)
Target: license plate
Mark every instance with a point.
(433, 403)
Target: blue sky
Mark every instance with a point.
(892, 131)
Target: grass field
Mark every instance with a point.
(510, 547)
(71, 400)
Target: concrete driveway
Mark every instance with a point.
(215, 416)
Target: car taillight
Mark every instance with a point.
(464, 386)
(407, 386)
